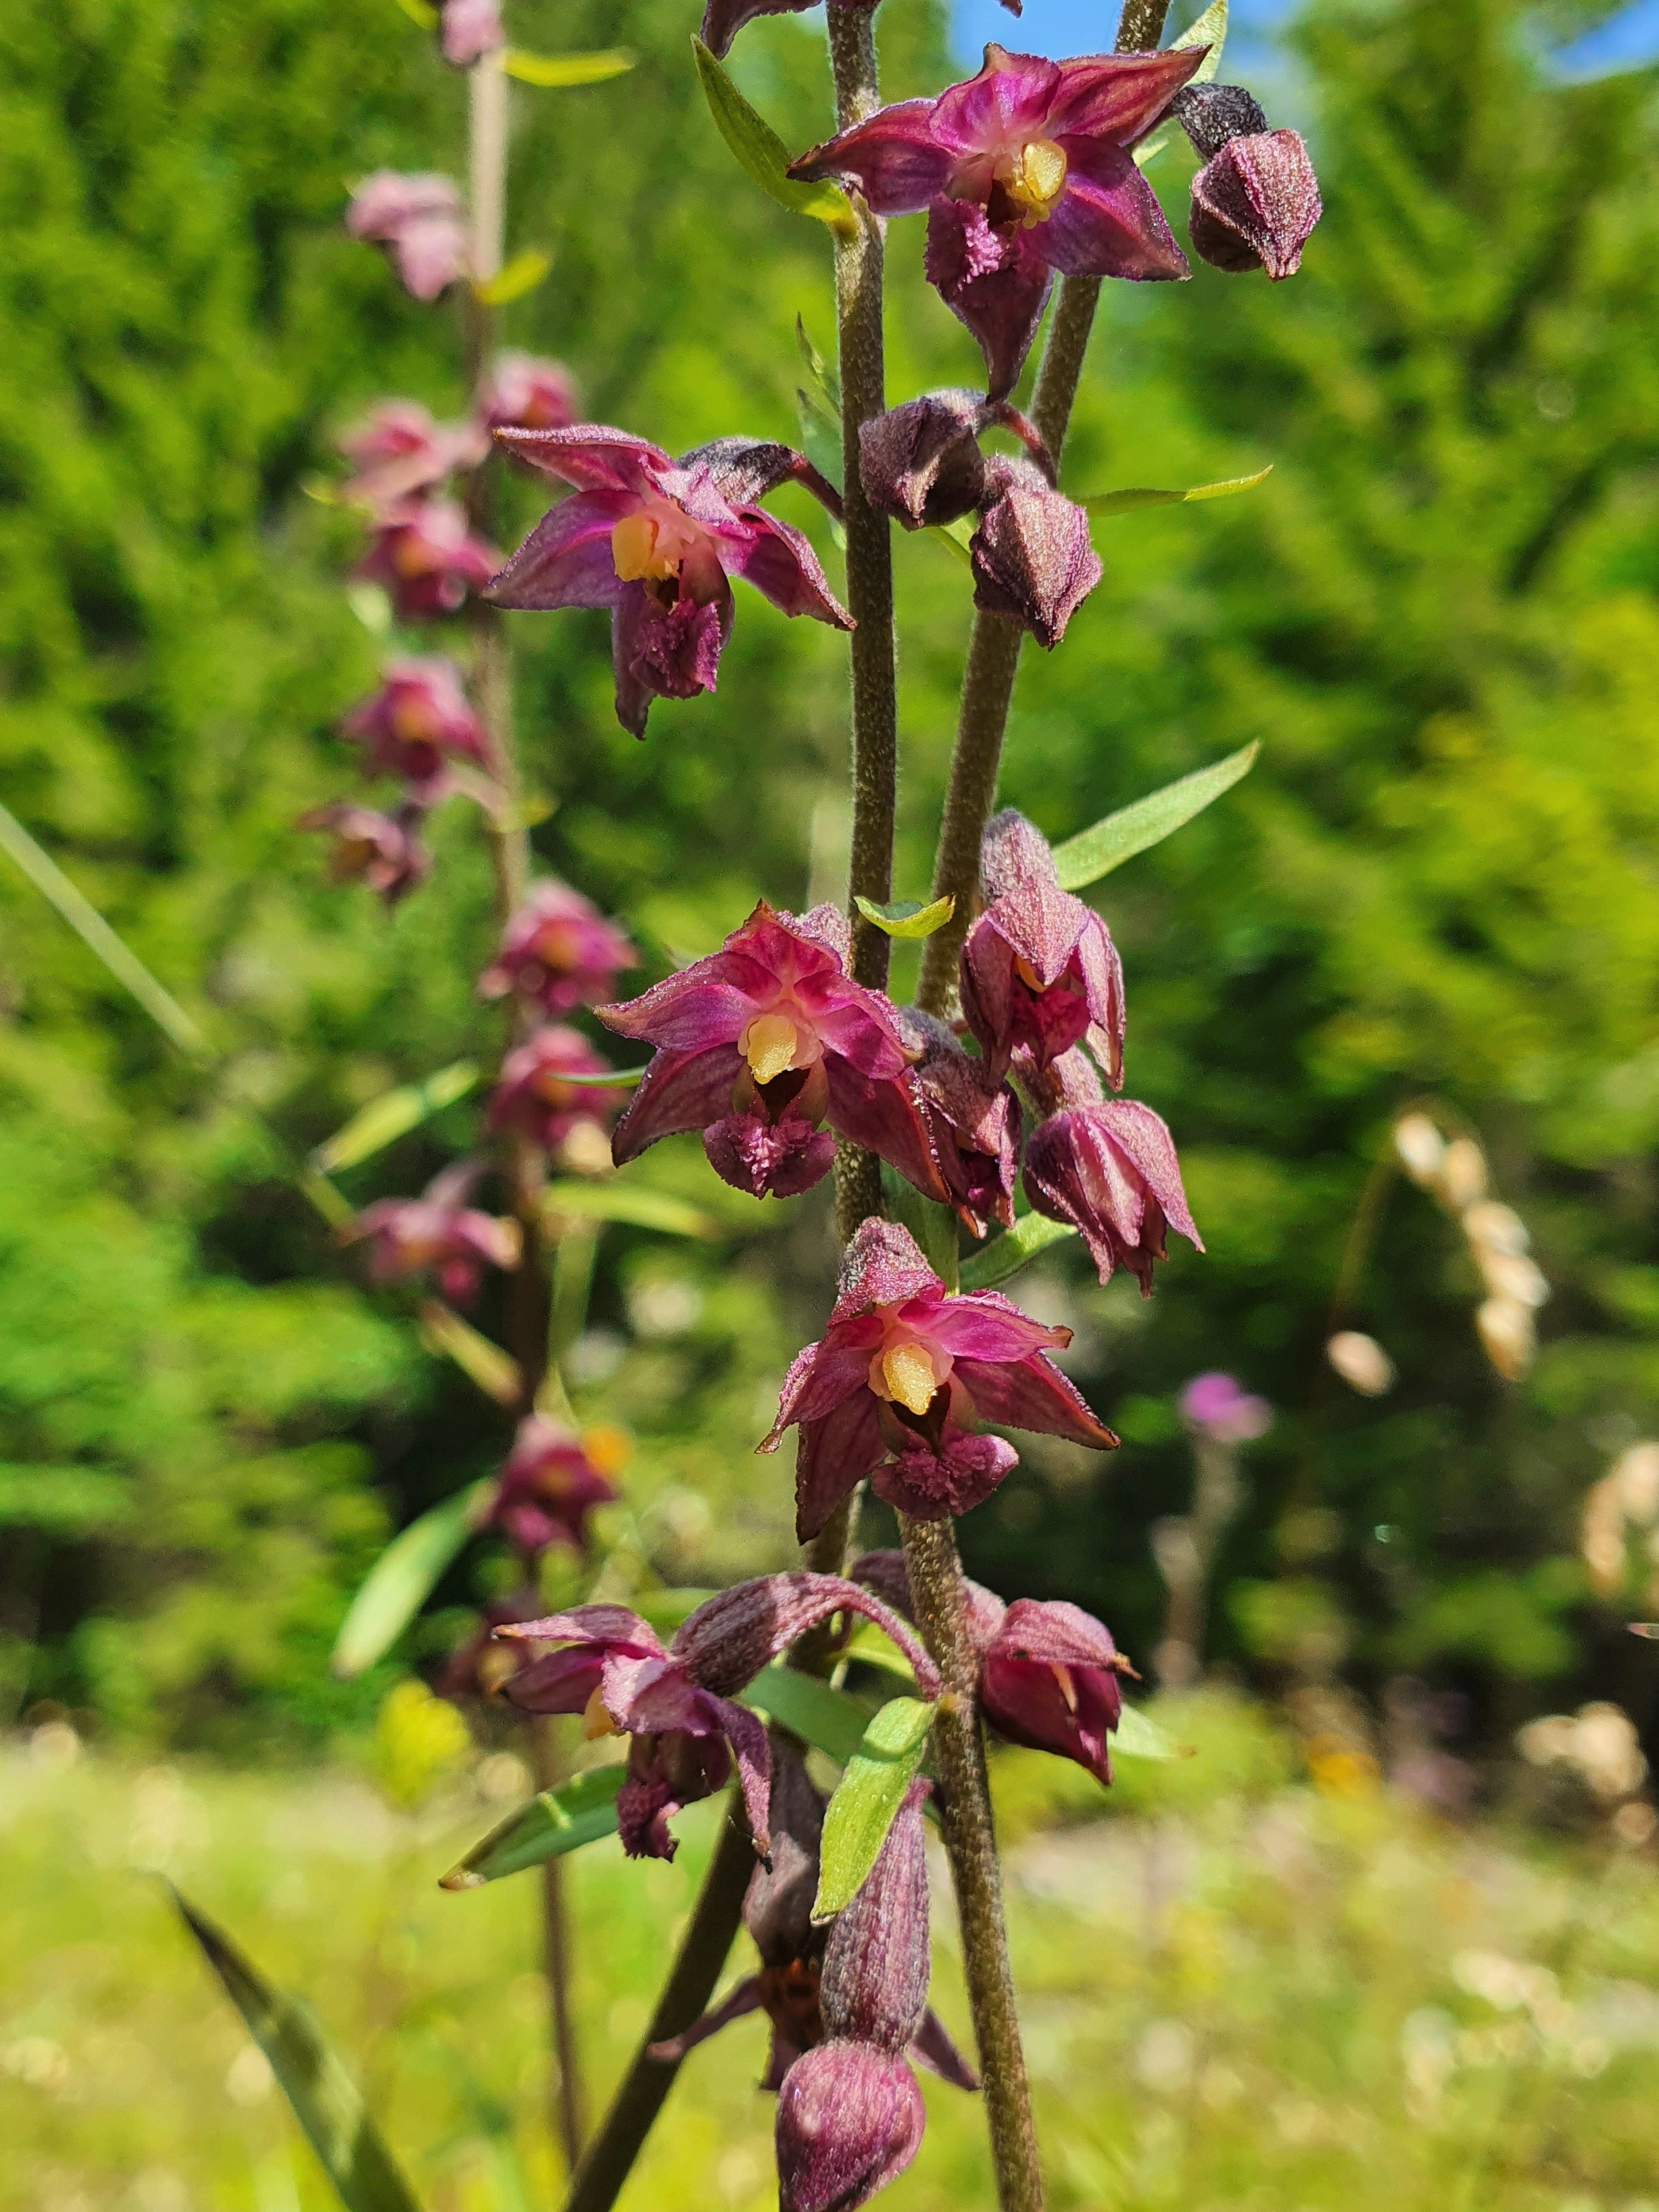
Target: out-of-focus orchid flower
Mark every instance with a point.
(414, 722)
(900, 1378)
(479, 1666)
(398, 450)
(436, 1234)
(1024, 169)
(1213, 1404)
(418, 221)
(974, 1123)
(1255, 201)
(677, 1704)
(551, 1481)
(759, 1045)
(424, 553)
(1108, 1166)
(656, 541)
(523, 391)
(1039, 970)
(558, 952)
(467, 29)
(381, 850)
(535, 1094)
(1031, 554)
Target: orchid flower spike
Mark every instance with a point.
(1039, 970)
(904, 1373)
(657, 541)
(677, 1704)
(1108, 1167)
(398, 450)
(424, 553)
(762, 1044)
(1255, 201)
(1024, 169)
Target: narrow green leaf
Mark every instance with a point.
(907, 917)
(957, 537)
(1094, 853)
(338, 1212)
(69, 1501)
(554, 71)
(761, 152)
(323, 2097)
(403, 1579)
(1210, 30)
(823, 379)
(580, 1811)
(418, 11)
(443, 1333)
(1136, 1736)
(520, 275)
(1015, 1249)
(1135, 496)
(872, 1648)
(827, 1719)
(96, 933)
(868, 1799)
(391, 1116)
(633, 1203)
(621, 1078)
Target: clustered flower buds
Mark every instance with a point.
(1256, 200)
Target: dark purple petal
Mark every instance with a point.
(613, 1625)
(1108, 222)
(566, 561)
(661, 652)
(1055, 1634)
(767, 1159)
(1031, 555)
(921, 462)
(752, 1750)
(727, 1640)
(887, 1119)
(932, 1485)
(876, 1964)
(1032, 1394)
(780, 563)
(678, 1091)
(987, 1326)
(745, 1998)
(591, 457)
(883, 1266)
(1051, 1706)
(894, 159)
(995, 281)
(822, 1377)
(723, 19)
(1008, 102)
(935, 2049)
(1111, 1171)
(835, 1456)
(1119, 97)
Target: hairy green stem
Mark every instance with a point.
(937, 1598)
(859, 255)
(988, 683)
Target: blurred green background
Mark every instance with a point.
(1437, 616)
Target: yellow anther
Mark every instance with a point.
(596, 1721)
(650, 544)
(907, 1371)
(769, 1044)
(1038, 178)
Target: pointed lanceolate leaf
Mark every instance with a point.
(442, 1331)
(1136, 1736)
(391, 1116)
(419, 11)
(612, 1079)
(868, 1799)
(1209, 30)
(907, 917)
(761, 151)
(404, 1577)
(628, 1202)
(554, 71)
(827, 1719)
(1015, 1249)
(322, 2095)
(1094, 853)
(1135, 496)
(580, 1811)
(520, 275)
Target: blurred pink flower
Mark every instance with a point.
(381, 850)
(558, 952)
(418, 221)
(1215, 1406)
(424, 554)
(417, 719)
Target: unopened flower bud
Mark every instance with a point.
(1462, 1178)
(1254, 204)
(921, 462)
(876, 1966)
(850, 2119)
(1210, 114)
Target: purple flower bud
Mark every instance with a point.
(921, 462)
(523, 391)
(1048, 1679)
(468, 29)
(551, 1483)
(1108, 1168)
(850, 2119)
(1039, 970)
(1215, 1406)
(381, 850)
(1254, 204)
(398, 450)
(974, 1123)
(535, 1095)
(1032, 557)
(558, 952)
(425, 555)
(418, 220)
(877, 1964)
(1210, 114)
(417, 719)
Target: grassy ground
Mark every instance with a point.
(1265, 1997)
